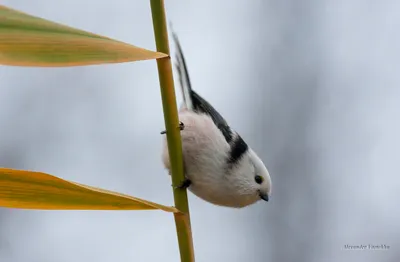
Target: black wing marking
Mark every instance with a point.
(201, 105)
(198, 104)
(238, 149)
(194, 101)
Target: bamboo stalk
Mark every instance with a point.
(182, 220)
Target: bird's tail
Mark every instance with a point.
(183, 73)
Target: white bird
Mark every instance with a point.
(219, 166)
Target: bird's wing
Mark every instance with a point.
(193, 100)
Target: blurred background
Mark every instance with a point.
(313, 86)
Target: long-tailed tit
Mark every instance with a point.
(219, 166)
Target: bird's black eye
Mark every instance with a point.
(258, 179)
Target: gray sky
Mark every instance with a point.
(311, 86)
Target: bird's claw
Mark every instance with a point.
(181, 127)
(184, 185)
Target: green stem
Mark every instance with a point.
(182, 220)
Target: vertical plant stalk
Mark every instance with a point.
(182, 220)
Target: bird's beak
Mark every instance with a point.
(264, 196)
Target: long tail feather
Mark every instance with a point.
(184, 79)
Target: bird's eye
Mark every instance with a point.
(258, 179)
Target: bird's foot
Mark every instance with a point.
(184, 185)
(181, 127)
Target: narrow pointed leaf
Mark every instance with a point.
(36, 190)
(27, 40)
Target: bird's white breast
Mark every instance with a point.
(205, 152)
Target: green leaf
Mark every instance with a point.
(36, 190)
(27, 40)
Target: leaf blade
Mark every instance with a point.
(26, 40)
(37, 190)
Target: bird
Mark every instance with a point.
(219, 166)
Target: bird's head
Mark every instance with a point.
(251, 179)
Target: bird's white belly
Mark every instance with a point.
(205, 152)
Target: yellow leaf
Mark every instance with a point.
(36, 190)
(27, 40)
